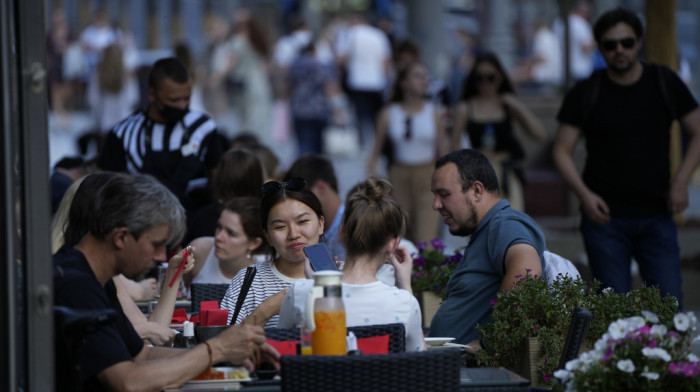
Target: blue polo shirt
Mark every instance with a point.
(332, 235)
(479, 275)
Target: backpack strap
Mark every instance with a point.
(663, 75)
(591, 95)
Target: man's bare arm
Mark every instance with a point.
(521, 259)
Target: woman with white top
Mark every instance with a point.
(412, 125)
(292, 218)
(372, 226)
(238, 238)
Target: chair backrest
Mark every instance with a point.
(554, 265)
(396, 332)
(580, 320)
(436, 370)
(206, 292)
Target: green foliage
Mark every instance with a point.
(536, 308)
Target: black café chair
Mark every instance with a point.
(396, 332)
(206, 292)
(580, 320)
(71, 329)
(436, 370)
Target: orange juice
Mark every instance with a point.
(306, 350)
(329, 336)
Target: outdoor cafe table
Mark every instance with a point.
(471, 379)
(146, 305)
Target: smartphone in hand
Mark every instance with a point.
(320, 258)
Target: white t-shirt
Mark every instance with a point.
(367, 49)
(580, 34)
(365, 304)
(420, 148)
(545, 48)
(268, 281)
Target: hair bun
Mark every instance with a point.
(376, 189)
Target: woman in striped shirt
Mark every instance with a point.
(292, 218)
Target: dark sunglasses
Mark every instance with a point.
(611, 44)
(485, 77)
(270, 188)
(409, 131)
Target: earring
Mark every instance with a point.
(248, 255)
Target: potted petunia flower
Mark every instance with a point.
(639, 353)
(529, 323)
(432, 269)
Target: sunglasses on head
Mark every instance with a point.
(611, 44)
(485, 77)
(270, 188)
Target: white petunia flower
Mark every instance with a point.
(658, 352)
(650, 316)
(601, 345)
(572, 365)
(607, 290)
(563, 375)
(658, 330)
(625, 365)
(681, 322)
(586, 357)
(636, 322)
(693, 358)
(651, 375)
(617, 329)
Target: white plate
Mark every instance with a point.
(436, 342)
(222, 381)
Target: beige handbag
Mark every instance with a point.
(340, 141)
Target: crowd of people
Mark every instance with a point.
(170, 183)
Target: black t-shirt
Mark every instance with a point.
(76, 287)
(626, 129)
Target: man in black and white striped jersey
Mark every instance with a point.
(166, 139)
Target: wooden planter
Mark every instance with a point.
(530, 354)
(429, 304)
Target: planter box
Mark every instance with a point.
(429, 304)
(530, 354)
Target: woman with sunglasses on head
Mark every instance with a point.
(292, 218)
(372, 226)
(486, 111)
(412, 126)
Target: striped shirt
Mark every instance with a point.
(131, 142)
(268, 281)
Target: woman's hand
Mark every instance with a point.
(403, 266)
(157, 334)
(175, 261)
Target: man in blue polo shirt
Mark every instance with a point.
(503, 243)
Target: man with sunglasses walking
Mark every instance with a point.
(627, 192)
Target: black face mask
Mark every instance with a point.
(172, 115)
